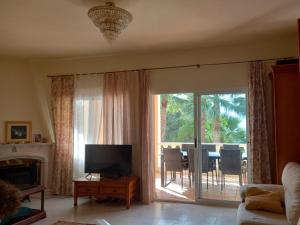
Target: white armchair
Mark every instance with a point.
(290, 198)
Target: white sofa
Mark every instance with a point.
(290, 198)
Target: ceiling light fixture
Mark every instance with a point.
(111, 20)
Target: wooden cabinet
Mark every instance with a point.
(124, 188)
(286, 108)
(299, 42)
(286, 113)
(89, 188)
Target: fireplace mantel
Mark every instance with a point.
(41, 151)
(25, 145)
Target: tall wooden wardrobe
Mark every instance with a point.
(286, 114)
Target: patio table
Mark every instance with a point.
(216, 155)
(211, 155)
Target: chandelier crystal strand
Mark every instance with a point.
(111, 20)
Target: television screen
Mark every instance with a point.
(108, 160)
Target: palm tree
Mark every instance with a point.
(217, 123)
(163, 115)
(220, 115)
(177, 117)
(212, 105)
(231, 132)
(207, 114)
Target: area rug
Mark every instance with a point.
(71, 223)
(99, 222)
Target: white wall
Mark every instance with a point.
(219, 78)
(271, 48)
(18, 97)
(207, 78)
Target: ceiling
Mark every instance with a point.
(61, 28)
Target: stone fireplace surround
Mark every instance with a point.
(39, 151)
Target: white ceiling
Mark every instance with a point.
(61, 28)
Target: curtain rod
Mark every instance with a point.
(174, 67)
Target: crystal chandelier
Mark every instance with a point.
(111, 20)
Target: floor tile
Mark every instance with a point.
(157, 213)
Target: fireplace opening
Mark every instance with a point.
(23, 173)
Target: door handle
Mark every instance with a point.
(195, 142)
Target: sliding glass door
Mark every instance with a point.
(174, 135)
(192, 132)
(221, 131)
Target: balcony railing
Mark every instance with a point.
(161, 145)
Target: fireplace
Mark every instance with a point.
(39, 154)
(22, 172)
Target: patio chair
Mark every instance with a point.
(231, 164)
(207, 166)
(212, 162)
(191, 166)
(231, 147)
(173, 163)
(209, 147)
(185, 147)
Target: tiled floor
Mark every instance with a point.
(158, 213)
(175, 192)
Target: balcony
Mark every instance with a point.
(210, 190)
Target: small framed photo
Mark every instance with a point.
(37, 138)
(18, 131)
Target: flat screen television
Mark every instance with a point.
(108, 160)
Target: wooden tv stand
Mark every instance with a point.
(123, 188)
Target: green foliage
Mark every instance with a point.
(231, 132)
(179, 116)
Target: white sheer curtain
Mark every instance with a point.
(115, 109)
(88, 116)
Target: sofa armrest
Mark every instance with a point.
(268, 187)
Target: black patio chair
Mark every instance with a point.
(207, 166)
(231, 147)
(231, 164)
(173, 163)
(212, 162)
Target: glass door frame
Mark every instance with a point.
(197, 141)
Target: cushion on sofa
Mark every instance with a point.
(267, 187)
(254, 217)
(291, 183)
(260, 199)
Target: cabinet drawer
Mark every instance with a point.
(113, 190)
(87, 190)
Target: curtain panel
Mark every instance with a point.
(88, 117)
(147, 161)
(259, 137)
(62, 89)
(109, 109)
(126, 115)
(117, 108)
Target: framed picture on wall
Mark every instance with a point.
(18, 131)
(37, 138)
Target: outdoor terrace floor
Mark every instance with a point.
(175, 192)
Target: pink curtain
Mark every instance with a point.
(126, 118)
(259, 140)
(147, 161)
(116, 108)
(62, 108)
